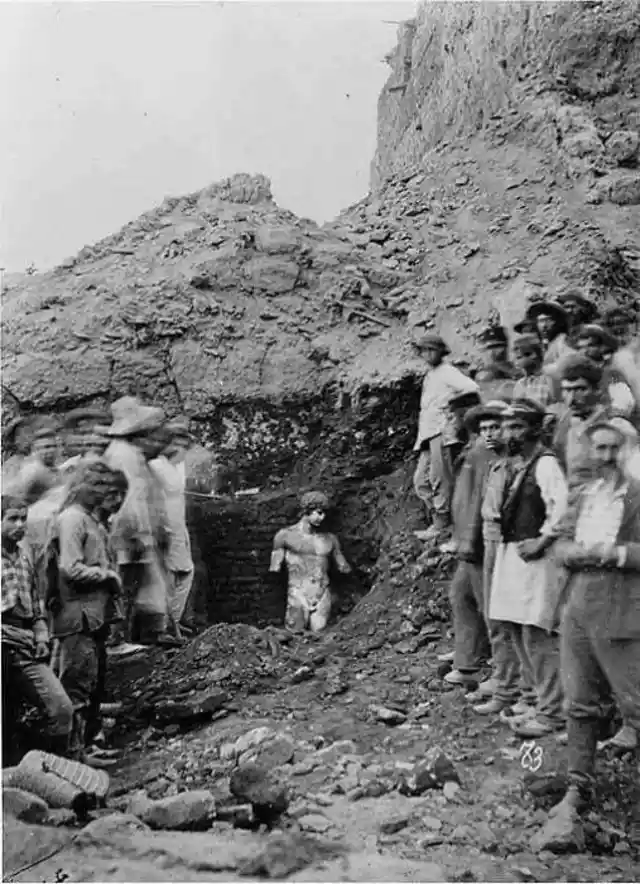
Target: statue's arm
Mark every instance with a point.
(278, 551)
(338, 557)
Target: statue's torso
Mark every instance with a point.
(307, 558)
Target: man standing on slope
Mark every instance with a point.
(432, 482)
(599, 544)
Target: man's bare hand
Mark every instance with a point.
(578, 557)
(530, 550)
(42, 651)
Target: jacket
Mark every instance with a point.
(609, 599)
(467, 499)
(81, 593)
(574, 460)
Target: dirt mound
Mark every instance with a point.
(506, 168)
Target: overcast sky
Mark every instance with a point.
(106, 108)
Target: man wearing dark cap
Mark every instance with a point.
(527, 580)
(620, 323)
(536, 383)
(578, 309)
(580, 381)
(466, 592)
(599, 544)
(494, 344)
(431, 481)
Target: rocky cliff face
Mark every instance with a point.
(506, 168)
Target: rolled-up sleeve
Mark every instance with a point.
(555, 493)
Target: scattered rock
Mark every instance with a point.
(24, 806)
(190, 711)
(239, 815)
(394, 824)
(388, 716)
(333, 753)
(61, 816)
(563, 832)
(270, 754)
(266, 793)
(622, 146)
(314, 822)
(187, 811)
(246, 742)
(283, 855)
(432, 773)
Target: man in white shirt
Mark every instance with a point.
(432, 481)
(527, 580)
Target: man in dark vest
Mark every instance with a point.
(599, 542)
(526, 578)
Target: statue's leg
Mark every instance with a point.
(297, 616)
(319, 617)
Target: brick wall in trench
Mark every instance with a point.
(232, 543)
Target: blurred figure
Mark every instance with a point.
(84, 598)
(578, 309)
(84, 437)
(140, 528)
(621, 323)
(169, 467)
(25, 635)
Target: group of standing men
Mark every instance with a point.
(536, 492)
(95, 552)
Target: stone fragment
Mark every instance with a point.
(106, 827)
(271, 753)
(562, 833)
(314, 822)
(199, 708)
(329, 755)
(283, 855)
(622, 146)
(432, 773)
(24, 806)
(247, 741)
(187, 811)
(388, 716)
(239, 815)
(394, 824)
(252, 784)
(61, 816)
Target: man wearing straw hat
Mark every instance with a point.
(140, 529)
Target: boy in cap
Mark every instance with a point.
(308, 551)
(432, 481)
(536, 383)
(466, 590)
(601, 624)
(526, 579)
(599, 345)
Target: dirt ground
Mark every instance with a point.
(336, 747)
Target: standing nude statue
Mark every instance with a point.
(308, 552)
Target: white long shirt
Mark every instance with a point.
(440, 385)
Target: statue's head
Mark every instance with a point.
(314, 506)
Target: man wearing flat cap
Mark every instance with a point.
(140, 530)
(527, 580)
(470, 625)
(494, 344)
(431, 481)
(599, 542)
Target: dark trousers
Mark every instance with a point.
(25, 677)
(83, 672)
(596, 672)
(472, 647)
